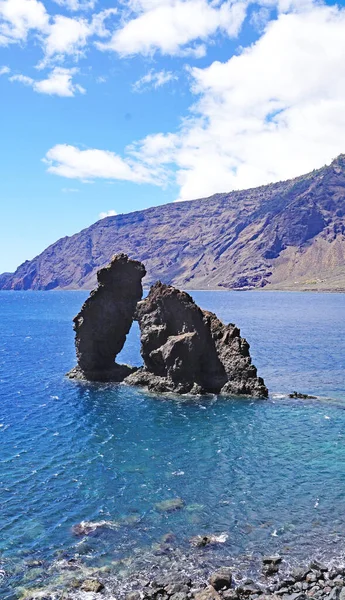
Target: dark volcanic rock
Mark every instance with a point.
(187, 350)
(300, 396)
(105, 319)
(176, 345)
(221, 579)
(233, 352)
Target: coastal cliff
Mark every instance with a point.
(287, 235)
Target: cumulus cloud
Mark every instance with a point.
(259, 18)
(154, 79)
(73, 163)
(20, 17)
(183, 27)
(4, 70)
(70, 36)
(66, 36)
(109, 213)
(171, 25)
(58, 83)
(75, 5)
(272, 112)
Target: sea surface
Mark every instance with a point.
(267, 474)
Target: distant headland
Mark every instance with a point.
(283, 236)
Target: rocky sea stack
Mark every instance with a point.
(104, 320)
(185, 349)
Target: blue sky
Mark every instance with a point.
(116, 107)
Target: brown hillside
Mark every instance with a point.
(287, 235)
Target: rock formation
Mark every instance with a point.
(188, 350)
(105, 319)
(185, 350)
(233, 352)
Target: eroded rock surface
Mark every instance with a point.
(105, 319)
(233, 352)
(178, 350)
(188, 350)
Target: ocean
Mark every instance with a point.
(267, 475)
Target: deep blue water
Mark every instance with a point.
(270, 474)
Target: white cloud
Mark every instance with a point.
(273, 112)
(75, 5)
(154, 79)
(171, 25)
(181, 27)
(19, 17)
(70, 191)
(4, 70)
(66, 36)
(73, 163)
(109, 213)
(59, 83)
(70, 36)
(259, 18)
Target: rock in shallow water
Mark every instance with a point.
(211, 538)
(221, 579)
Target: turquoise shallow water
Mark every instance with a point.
(269, 474)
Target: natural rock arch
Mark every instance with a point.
(184, 348)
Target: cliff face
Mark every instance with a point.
(287, 235)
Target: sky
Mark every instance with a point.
(109, 107)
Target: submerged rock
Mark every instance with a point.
(88, 527)
(190, 351)
(105, 319)
(92, 585)
(170, 505)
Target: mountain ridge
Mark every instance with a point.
(285, 235)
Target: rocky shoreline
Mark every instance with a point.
(169, 572)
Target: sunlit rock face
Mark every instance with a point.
(188, 350)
